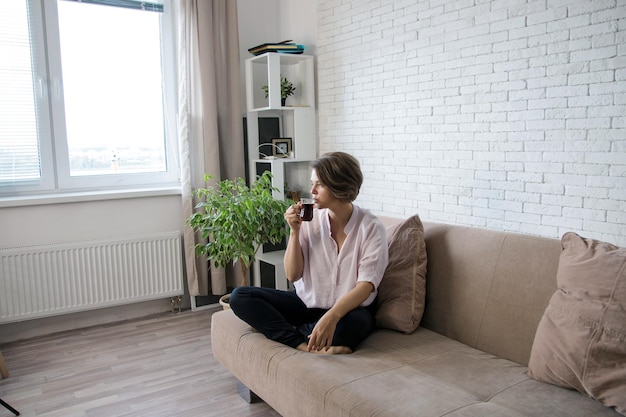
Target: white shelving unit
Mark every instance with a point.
(297, 121)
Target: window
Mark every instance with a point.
(87, 100)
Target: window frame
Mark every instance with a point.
(48, 94)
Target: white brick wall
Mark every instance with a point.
(506, 114)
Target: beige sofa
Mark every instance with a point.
(486, 292)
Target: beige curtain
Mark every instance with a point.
(210, 114)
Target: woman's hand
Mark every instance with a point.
(292, 216)
(293, 260)
(321, 338)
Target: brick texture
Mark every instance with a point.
(505, 114)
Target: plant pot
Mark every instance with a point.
(225, 301)
(283, 101)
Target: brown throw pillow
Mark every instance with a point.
(581, 339)
(401, 294)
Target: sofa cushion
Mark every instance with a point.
(581, 339)
(401, 294)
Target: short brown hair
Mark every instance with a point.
(341, 173)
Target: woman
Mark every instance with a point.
(336, 262)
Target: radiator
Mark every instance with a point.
(47, 280)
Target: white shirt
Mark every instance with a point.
(328, 274)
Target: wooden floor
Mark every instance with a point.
(157, 366)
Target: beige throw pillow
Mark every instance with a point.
(402, 292)
(581, 339)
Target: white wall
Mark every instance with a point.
(298, 22)
(89, 220)
(258, 23)
(501, 114)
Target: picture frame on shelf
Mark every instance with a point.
(281, 147)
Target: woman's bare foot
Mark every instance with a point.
(337, 350)
(333, 350)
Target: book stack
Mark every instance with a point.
(284, 47)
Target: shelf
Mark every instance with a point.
(281, 160)
(285, 59)
(296, 120)
(267, 69)
(276, 260)
(285, 108)
(295, 173)
(273, 258)
(297, 123)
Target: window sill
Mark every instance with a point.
(60, 198)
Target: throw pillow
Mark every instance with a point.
(402, 292)
(581, 339)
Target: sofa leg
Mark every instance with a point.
(245, 393)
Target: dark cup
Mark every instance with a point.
(306, 214)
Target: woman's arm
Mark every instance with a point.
(293, 259)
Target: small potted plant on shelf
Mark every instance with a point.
(286, 89)
(236, 220)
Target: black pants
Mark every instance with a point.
(281, 316)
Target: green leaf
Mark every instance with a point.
(237, 219)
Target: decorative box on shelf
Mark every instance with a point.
(267, 69)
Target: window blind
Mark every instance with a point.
(19, 144)
(151, 6)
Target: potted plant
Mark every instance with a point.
(286, 89)
(236, 220)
